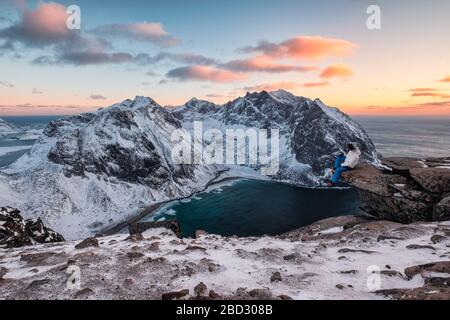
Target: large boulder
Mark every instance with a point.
(140, 227)
(405, 190)
(15, 231)
(442, 210)
(402, 164)
(435, 180)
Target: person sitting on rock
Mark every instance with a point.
(345, 163)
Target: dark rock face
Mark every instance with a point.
(17, 232)
(413, 190)
(311, 142)
(140, 227)
(92, 143)
(315, 133)
(86, 243)
(442, 210)
(434, 288)
(436, 180)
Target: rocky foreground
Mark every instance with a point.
(339, 258)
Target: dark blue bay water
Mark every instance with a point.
(252, 208)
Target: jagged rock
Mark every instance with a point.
(438, 267)
(135, 237)
(89, 242)
(285, 297)
(213, 295)
(418, 247)
(260, 294)
(276, 277)
(411, 192)
(3, 271)
(140, 227)
(437, 282)
(383, 238)
(438, 238)
(199, 233)
(435, 180)
(192, 247)
(200, 289)
(83, 292)
(175, 295)
(442, 210)
(135, 255)
(402, 164)
(347, 250)
(35, 284)
(349, 272)
(16, 231)
(391, 273)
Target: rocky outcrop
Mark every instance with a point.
(404, 190)
(139, 227)
(15, 231)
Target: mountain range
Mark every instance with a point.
(94, 170)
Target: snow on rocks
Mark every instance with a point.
(17, 232)
(303, 264)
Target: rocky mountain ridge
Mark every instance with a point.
(98, 169)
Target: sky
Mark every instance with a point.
(218, 50)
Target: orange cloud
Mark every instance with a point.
(338, 70)
(304, 47)
(264, 63)
(204, 73)
(446, 79)
(272, 86)
(316, 84)
(428, 92)
(423, 89)
(46, 24)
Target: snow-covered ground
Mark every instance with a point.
(338, 258)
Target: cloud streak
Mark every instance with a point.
(304, 47)
(272, 86)
(316, 84)
(203, 73)
(428, 92)
(145, 31)
(336, 71)
(263, 64)
(97, 97)
(6, 84)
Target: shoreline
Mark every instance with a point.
(153, 207)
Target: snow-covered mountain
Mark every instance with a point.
(6, 128)
(90, 171)
(311, 133)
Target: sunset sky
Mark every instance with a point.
(218, 50)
